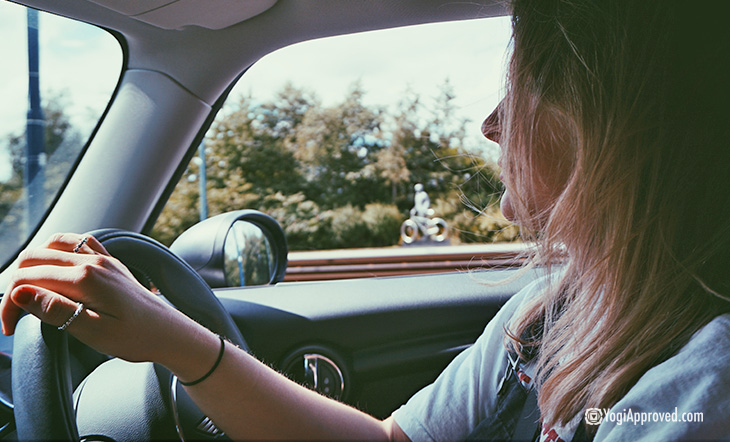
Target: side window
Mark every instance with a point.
(331, 138)
(57, 77)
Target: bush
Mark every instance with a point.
(348, 227)
(307, 227)
(383, 223)
(298, 217)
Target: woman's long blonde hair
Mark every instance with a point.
(635, 93)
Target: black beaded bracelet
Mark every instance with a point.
(210, 372)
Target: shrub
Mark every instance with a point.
(383, 224)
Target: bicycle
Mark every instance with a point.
(430, 229)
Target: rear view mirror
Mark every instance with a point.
(241, 248)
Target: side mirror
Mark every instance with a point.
(240, 248)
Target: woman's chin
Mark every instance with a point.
(505, 205)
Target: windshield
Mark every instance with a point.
(57, 78)
(332, 138)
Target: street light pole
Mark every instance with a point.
(35, 137)
(203, 183)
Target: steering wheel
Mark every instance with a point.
(45, 405)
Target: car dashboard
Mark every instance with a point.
(370, 342)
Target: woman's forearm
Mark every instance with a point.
(73, 276)
(249, 400)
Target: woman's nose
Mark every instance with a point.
(491, 127)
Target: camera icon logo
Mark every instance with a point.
(593, 416)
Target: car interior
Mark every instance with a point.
(368, 342)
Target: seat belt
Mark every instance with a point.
(527, 426)
(516, 415)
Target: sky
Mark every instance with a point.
(83, 64)
(471, 54)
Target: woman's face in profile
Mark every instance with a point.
(549, 173)
(492, 130)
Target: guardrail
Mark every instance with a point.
(393, 261)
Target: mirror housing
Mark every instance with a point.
(203, 245)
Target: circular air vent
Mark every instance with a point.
(317, 370)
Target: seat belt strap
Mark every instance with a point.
(526, 428)
(516, 414)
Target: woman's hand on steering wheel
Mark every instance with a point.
(120, 317)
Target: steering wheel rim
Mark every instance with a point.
(41, 373)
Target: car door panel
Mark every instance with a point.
(390, 336)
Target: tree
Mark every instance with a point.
(341, 175)
(391, 164)
(334, 146)
(249, 155)
(255, 140)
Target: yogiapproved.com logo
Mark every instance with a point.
(594, 416)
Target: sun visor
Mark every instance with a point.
(210, 14)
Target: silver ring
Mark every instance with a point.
(80, 244)
(76, 314)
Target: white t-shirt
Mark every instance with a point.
(687, 397)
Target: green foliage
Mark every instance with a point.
(348, 226)
(299, 217)
(180, 213)
(383, 222)
(342, 175)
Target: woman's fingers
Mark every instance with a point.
(70, 281)
(68, 264)
(48, 306)
(75, 243)
(94, 245)
(44, 304)
(50, 277)
(9, 314)
(120, 316)
(44, 256)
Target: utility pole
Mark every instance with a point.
(203, 183)
(35, 137)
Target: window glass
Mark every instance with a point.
(331, 138)
(57, 77)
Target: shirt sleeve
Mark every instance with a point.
(465, 392)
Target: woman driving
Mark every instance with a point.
(615, 144)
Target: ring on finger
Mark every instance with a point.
(75, 315)
(80, 244)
